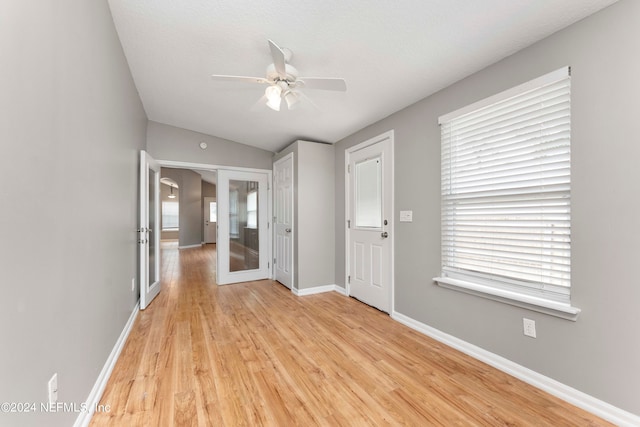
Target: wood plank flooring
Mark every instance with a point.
(254, 354)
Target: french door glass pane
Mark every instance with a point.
(244, 249)
(153, 228)
(213, 212)
(368, 191)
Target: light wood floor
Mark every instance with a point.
(254, 354)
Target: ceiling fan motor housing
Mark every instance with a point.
(272, 74)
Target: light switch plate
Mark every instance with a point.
(406, 216)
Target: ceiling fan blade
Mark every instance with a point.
(239, 79)
(310, 102)
(260, 105)
(279, 60)
(323, 83)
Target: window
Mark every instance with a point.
(368, 200)
(170, 215)
(213, 212)
(233, 214)
(252, 209)
(506, 182)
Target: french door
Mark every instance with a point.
(149, 229)
(243, 235)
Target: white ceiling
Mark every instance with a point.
(391, 54)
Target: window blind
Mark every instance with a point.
(170, 215)
(506, 181)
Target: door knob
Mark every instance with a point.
(384, 234)
(288, 230)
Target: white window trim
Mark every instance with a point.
(557, 309)
(531, 302)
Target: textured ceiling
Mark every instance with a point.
(391, 54)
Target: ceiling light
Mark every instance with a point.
(172, 196)
(273, 97)
(292, 98)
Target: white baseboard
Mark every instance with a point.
(582, 400)
(341, 290)
(190, 246)
(84, 418)
(314, 290)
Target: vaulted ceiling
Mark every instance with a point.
(391, 54)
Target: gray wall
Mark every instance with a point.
(190, 208)
(599, 353)
(71, 123)
(315, 197)
(166, 142)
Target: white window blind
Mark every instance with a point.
(170, 215)
(252, 209)
(506, 185)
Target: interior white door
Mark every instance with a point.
(370, 222)
(283, 220)
(149, 229)
(210, 219)
(243, 238)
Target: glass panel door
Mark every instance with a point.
(148, 231)
(243, 238)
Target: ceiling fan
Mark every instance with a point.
(284, 82)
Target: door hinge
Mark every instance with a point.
(274, 261)
(348, 168)
(348, 223)
(268, 266)
(348, 279)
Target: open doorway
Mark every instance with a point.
(243, 252)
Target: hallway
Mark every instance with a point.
(255, 354)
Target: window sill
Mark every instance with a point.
(557, 309)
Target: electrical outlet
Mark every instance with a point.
(529, 327)
(133, 284)
(52, 388)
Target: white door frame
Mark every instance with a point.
(205, 166)
(288, 157)
(347, 204)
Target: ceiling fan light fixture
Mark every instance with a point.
(273, 94)
(292, 98)
(282, 77)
